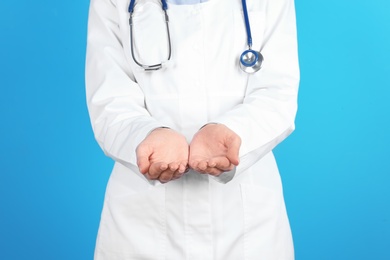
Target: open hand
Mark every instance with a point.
(214, 149)
(163, 155)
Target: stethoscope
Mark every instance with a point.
(250, 60)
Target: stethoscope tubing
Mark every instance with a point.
(248, 63)
(155, 66)
(247, 24)
(164, 5)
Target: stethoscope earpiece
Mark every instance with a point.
(251, 61)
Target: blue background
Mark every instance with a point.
(335, 166)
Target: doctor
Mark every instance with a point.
(191, 121)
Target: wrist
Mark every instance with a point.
(211, 123)
(158, 129)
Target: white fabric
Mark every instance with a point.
(186, 2)
(241, 216)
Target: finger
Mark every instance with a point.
(166, 176)
(193, 164)
(177, 175)
(143, 154)
(156, 169)
(178, 171)
(183, 167)
(233, 149)
(202, 166)
(214, 171)
(143, 164)
(173, 167)
(221, 163)
(199, 166)
(212, 163)
(164, 166)
(229, 168)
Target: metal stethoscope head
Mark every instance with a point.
(250, 60)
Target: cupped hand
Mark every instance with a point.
(214, 149)
(163, 155)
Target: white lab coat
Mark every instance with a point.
(240, 215)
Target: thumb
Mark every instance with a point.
(233, 149)
(143, 162)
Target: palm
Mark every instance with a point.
(214, 149)
(163, 155)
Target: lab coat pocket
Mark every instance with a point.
(134, 225)
(267, 233)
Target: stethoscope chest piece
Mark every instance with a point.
(251, 61)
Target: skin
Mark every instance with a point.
(165, 155)
(214, 150)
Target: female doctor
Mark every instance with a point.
(189, 98)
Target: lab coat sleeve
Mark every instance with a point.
(266, 116)
(116, 105)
